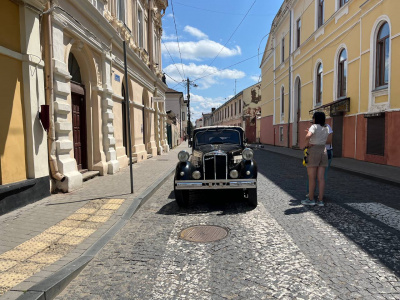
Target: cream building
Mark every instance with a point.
(63, 92)
(338, 56)
(230, 113)
(86, 56)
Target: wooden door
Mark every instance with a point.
(337, 140)
(79, 130)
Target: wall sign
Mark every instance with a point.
(117, 78)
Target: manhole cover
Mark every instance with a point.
(203, 233)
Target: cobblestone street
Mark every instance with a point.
(349, 249)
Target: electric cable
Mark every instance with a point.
(172, 59)
(177, 39)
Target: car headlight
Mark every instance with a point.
(183, 156)
(234, 174)
(196, 175)
(247, 154)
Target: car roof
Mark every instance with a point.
(218, 127)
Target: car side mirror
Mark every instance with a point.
(245, 140)
(190, 144)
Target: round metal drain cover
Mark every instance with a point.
(203, 233)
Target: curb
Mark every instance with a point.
(343, 169)
(50, 287)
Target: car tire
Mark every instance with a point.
(182, 198)
(252, 197)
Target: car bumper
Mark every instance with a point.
(215, 184)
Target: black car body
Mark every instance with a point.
(219, 160)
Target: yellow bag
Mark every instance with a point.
(305, 158)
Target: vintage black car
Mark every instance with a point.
(220, 160)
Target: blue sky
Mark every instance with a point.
(219, 42)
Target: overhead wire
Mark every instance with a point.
(183, 78)
(224, 46)
(177, 39)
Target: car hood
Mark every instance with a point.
(232, 149)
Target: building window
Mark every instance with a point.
(282, 101)
(240, 106)
(140, 28)
(382, 56)
(121, 10)
(235, 109)
(298, 30)
(342, 2)
(281, 133)
(318, 99)
(183, 116)
(232, 109)
(283, 50)
(321, 12)
(342, 74)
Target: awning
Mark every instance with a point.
(334, 108)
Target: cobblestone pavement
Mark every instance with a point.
(349, 249)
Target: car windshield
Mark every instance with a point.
(217, 136)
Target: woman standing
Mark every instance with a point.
(317, 157)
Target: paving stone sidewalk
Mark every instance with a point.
(40, 239)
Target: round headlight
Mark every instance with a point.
(234, 174)
(247, 154)
(196, 175)
(183, 156)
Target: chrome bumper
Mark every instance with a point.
(216, 184)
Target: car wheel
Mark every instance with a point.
(252, 197)
(182, 198)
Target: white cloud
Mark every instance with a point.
(195, 32)
(200, 104)
(200, 50)
(255, 78)
(209, 75)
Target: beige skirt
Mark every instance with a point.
(317, 156)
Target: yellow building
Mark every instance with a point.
(338, 56)
(24, 174)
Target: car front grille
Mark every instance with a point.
(215, 166)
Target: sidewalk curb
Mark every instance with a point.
(343, 169)
(50, 287)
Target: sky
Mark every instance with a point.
(217, 44)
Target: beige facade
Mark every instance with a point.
(89, 84)
(230, 113)
(338, 57)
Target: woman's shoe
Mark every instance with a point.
(308, 202)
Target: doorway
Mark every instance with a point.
(337, 139)
(79, 126)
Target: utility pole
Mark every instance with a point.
(188, 83)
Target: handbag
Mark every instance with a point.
(305, 157)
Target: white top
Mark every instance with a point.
(329, 146)
(319, 134)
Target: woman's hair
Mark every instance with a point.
(319, 118)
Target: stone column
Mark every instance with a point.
(108, 116)
(33, 94)
(62, 113)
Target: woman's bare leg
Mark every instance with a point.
(312, 173)
(321, 182)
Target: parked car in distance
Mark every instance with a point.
(219, 160)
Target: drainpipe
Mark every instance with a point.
(48, 54)
(290, 77)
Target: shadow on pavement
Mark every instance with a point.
(201, 202)
(376, 238)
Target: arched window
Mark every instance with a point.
(382, 56)
(318, 91)
(282, 101)
(342, 74)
